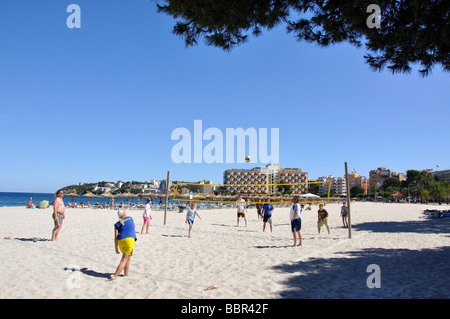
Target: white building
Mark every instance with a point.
(338, 185)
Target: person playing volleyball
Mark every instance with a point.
(241, 210)
(124, 239)
(190, 216)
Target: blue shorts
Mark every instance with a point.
(296, 225)
(190, 221)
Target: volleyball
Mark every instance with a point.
(248, 158)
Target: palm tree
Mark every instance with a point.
(438, 192)
(427, 180)
(446, 190)
(416, 191)
(425, 194)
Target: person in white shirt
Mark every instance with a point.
(241, 210)
(147, 215)
(296, 222)
(190, 216)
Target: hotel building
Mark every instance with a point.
(270, 174)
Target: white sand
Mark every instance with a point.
(242, 262)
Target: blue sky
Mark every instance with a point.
(100, 102)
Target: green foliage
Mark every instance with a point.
(422, 185)
(356, 190)
(314, 189)
(332, 194)
(391, 183)
(440, 191)
(284, 189)
(411, 32)
(79, 189)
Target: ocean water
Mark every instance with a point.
(21, 199)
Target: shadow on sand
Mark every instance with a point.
(33, 239)
(404, 273)
(421, 226)
(90, 272)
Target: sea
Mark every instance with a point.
(21, 199)
(8, 199)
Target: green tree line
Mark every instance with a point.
(419, 185)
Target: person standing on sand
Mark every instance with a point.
(344, 214)
(190, 216)
(147, 215)
(322, 215)
(296, 222)
(259, 209)
(124, 239)
(268, 209)
(241, 209)
(58, 214)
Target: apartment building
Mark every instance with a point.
(355, 179)
(294, 175)
(338, 185)
(442, 175)
(270, 174)
(379, 175)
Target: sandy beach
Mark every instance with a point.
(241, 262)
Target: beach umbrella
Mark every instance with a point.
(229, 197)
(212, 196)
(128, 195)
(89, 195)
(107, 195)
(72, 194)
(178, 195)
(198, 196)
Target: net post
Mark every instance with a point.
(167, 197)
(347, 182)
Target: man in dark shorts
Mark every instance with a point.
(296, 221)
(268, 209)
